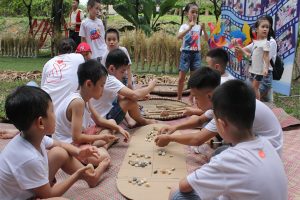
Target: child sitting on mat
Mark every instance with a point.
(27, 170)
(216, 59)
(251, 168)
(74, 114)
(202, 85)
(118, 99)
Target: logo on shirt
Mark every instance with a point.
(55, 74)
(95, 34)
(192, 40)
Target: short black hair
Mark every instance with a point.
(66, 45)
(235, 101)
(205, 77)
(25, 104)
(90, 70)
(112, 30)
(117, 58)
(219, 55)
(91, 3)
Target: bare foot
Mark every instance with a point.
(146, 122)
(93, 181)
(131, 123)
(8, 133)
(99, 143)
(110, 144)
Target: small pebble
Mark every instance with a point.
(169, 187)
(134, 178)
(155, 172)
(147, 185)
(173, 169)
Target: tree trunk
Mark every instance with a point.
(57, 13)
(28, 6)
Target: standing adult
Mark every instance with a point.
(75, 18)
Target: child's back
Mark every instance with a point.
(22, 167)
(249, 170)
(59, 76)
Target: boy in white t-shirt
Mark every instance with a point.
(251, 168)
(202, 86)
(112, 39)
(74, 114)
(27, 170)
(216, 59)
(117, 99)
(92, 30)
(59, 77)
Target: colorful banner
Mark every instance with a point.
(238, 13)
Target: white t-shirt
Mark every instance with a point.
(191, 40)
(73, 16)
(110, 93)
(258, 47)
(226, 77)
(103, 60)
(93, 31)
(265, 125)
(59, 77)
(23, 167)
(250, 170)
(63, 130)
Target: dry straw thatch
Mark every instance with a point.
(158, 53)
(18, 46)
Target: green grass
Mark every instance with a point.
(5, 88)
(22, 64)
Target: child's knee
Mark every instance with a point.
(58, 153)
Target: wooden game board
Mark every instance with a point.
(153, 108)
(158, 184)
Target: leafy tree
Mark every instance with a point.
(217, 8)
(142, 14)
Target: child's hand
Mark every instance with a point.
(191, 24)
(167, 130)
(152, 83)
(189, 111)
(125, 134)
(83, 171)
(203, 26)
(238, 49)
(89, 151)
(162, 140)
(108, 137)
(265, 72)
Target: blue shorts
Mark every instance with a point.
(189, 60)
(266, 83)
(256, 77)
(116, 112)
(185, 196)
